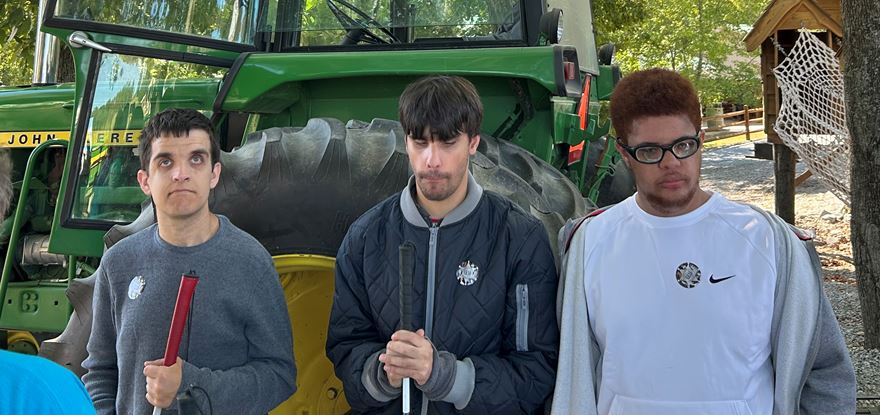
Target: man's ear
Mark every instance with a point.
(473, 143)
(215, 174)
(143, 180)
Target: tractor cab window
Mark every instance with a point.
(348, 22)
(224, 20)
(254, 24)
(128, 90)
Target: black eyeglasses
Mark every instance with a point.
(647, 153)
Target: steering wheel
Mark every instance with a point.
(360, 29)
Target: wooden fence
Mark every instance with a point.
(746, 120)
(747, 114)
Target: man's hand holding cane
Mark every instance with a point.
(408, 355)
(163, 382)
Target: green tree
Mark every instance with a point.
(617, 16)
(18, 23)
(702, 39)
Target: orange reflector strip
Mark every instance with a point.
(585, 103)
(575, 153)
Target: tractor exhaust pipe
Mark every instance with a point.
(46, 53)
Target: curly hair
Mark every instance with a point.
(653, 93)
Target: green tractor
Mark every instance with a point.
(303, 94)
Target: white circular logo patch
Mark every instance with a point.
(688, 275)
(136, 287)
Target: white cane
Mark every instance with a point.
(407, 265)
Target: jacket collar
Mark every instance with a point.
(413, 213)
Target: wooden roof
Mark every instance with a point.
(794, 14)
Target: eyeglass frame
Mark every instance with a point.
(664, 148)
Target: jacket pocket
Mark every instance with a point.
(522, 317)
(624, 405)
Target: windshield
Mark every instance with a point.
(226, 20)
(311, 22)
(326, 22)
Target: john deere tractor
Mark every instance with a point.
(304, 96)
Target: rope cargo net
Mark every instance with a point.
(812, 117)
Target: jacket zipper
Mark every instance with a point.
(429, 301)
(522, 318)
(432, 280)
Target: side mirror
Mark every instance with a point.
(606, 53)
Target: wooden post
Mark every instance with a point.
(860, 77)
(747, 116)
(783, 164)
(798, 181)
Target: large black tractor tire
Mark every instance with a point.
(298, 189)
(69, 348)
(595, 150)
(618, 186)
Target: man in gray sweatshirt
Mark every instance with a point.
(236, 355)
(678, 301)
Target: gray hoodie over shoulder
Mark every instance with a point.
(813, 370)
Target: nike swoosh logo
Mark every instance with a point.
(713, 280)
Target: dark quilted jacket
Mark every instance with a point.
(514, 369)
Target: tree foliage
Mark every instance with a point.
(612, 16)
(18, 27)
(220, 20)
(695, 37)
(702, 39)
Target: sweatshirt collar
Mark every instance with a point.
(412, 211)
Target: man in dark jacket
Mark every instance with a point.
(484, 284)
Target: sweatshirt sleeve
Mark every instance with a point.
(102, 373)
(577, 371)
(830, 386)
(269, 376)
(814, 374)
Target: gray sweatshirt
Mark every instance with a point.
(237, 347)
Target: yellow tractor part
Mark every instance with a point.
(307, 281)
(22, 342)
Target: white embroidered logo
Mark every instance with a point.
(136, 287)
(467, 273)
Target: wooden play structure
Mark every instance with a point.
(775, 32)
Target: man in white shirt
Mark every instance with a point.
(679, 301)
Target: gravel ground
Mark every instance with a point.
(728, 171)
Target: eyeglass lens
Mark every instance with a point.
(681, 149)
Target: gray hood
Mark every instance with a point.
(411, 209)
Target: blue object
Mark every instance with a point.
(34, 385)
